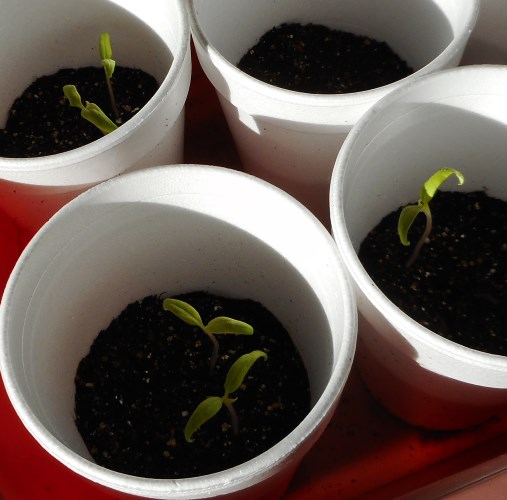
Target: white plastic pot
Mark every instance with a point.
(455, 118)
(38, 38)
(291, 138)
(173, 229)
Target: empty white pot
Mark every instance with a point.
(455, 118)
(291, 138)
(41, 37)
(173, 229)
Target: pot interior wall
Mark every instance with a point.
(417, 31)
(42, 37)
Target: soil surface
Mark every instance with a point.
(315, 59)
(146, 373)
(457, 287)
(41, 122)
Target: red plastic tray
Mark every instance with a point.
(365, 452)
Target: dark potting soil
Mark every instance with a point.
(146, 373)
(457, 286)
(41, 122)
(315, 59)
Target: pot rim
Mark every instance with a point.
(266, 90)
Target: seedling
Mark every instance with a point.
(208, 408)
(410, 212)
(217, 326)
(108, 63)
(91, 111)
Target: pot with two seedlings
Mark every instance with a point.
(142, 299)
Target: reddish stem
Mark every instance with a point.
(422, 239)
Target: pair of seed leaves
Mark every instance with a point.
(410, 212)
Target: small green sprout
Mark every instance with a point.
(208, 408)
(410, 212)
(90, 111)
(108, 63)
(218, 325)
